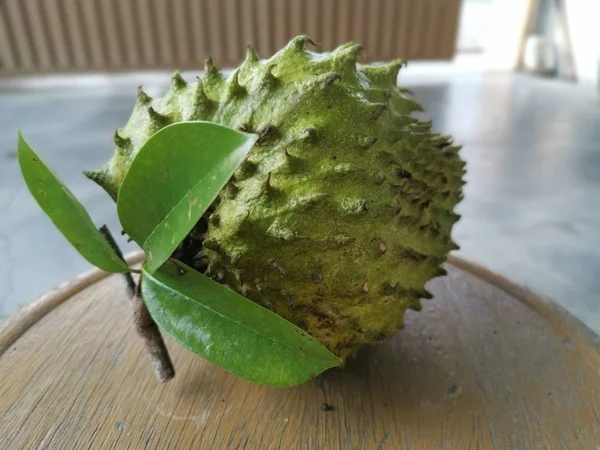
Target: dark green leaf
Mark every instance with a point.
(230, 330)
(69, 216)
(173, 180)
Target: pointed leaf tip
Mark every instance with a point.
(66, 212)
(174, 179)
(231, 331)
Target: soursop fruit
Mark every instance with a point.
(342, 211)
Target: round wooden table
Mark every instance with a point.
(485, 364)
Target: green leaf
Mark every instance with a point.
(69, 216)
(173, 180)
(230, 330)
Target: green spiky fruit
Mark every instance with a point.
(344, 208)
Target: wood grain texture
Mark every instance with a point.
(14, 326)
(486, 364)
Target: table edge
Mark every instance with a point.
(13, 327)
(563, 321)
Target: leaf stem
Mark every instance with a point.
(129, 282)
(144, 324)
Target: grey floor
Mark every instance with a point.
(532, 201)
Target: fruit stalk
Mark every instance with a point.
(144, 324)
(149, 332)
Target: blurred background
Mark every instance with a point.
(516, 82)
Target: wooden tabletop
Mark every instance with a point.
(485, 364)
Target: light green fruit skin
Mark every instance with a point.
(344, 208)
